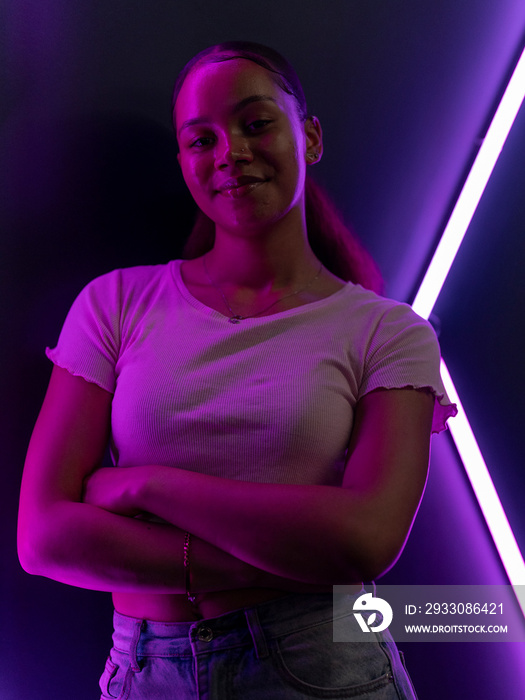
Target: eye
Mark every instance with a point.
(258, 124)
(201, 142)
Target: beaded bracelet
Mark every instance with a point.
(186, 550)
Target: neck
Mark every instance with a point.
(272, 260)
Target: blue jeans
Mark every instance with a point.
(280, 650)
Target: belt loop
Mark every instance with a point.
(139, 625)
(257, 633)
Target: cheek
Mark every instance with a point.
(290, 148)
(283, 147)
(292, 162)
(194, 174)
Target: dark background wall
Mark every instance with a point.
(89, 182)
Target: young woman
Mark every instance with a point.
(273, 417)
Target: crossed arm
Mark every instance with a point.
(76, 521)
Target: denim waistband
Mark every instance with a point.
(254, 626)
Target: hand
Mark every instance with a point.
(115, 489)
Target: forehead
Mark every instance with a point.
(212, 87)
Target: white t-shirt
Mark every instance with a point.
(270, 399)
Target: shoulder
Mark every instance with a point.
(382, 332)
(380, 315)
(114, 292)
(107, 300)
(129, 278)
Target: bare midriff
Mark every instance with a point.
(176, 607)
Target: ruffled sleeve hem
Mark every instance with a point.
(52, 354)
(443, 407)
(443, 410)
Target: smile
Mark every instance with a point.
(240, 186)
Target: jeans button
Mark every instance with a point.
(204, 634)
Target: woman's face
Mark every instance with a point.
(242, 144)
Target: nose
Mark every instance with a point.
(232, 149)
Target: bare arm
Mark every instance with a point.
(81, 544)
(314, 534)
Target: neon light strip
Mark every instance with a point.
(481, 481)
(471, 193)
(426, 298)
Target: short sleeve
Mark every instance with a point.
(404, 353)
(88, 345)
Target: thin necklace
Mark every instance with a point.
(236, 318)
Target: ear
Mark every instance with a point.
(314, 140)
(178, 157)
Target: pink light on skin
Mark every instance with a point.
(425, 300)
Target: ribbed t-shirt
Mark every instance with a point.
(270, 399)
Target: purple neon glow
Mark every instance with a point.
(471, 193)
(425, 300)
(484, 489)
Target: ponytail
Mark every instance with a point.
(334, 244)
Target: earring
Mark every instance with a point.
(312, 156)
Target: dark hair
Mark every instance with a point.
(284, 74)
(330, 238)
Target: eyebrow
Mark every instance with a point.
(238, 108)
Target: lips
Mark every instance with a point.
(240, 186)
